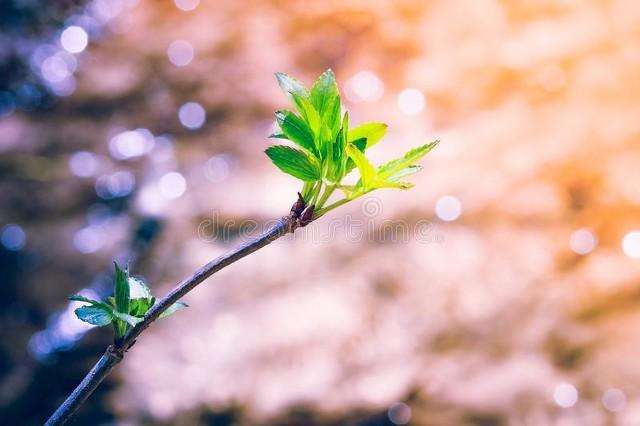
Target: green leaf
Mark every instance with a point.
(336, 155)
(405, 172)
(94, 314)
(308, 112)
(296, 130)
(122, 300)
(122, 290)
(325, 143)
(344, 130)
(138, 289)
(173, 309)
(80, 298)
(324, 92)
(141, 297)
(393, 184)
(129, 319)
(373, 132)
(361, 144)
(277, 135)
(395, 166)
(333, 115)
(367, 171)
(340, 157)
(138, 307)
(294, 162)
(307, 189)
(290, 85)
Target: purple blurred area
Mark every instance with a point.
(502, 289)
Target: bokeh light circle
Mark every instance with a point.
(173, 185)
(364, 86)
(631, 244)
(187, 5)
(83, 164)
(192, 115)
(13, 237)
(74, 39)
(411, 101)
(448, 208)
(217, 168)
(565, 395)
(614, 400)
(399, 413)
(583, 241)
(180, 53)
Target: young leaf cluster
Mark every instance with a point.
(326, 148)
(131, 301)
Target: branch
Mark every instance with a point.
(115, 353)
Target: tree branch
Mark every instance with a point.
(115, 353)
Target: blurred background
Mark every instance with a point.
(132, 130)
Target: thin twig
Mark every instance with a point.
(115, 353)
(332, 206)
(327, 193)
